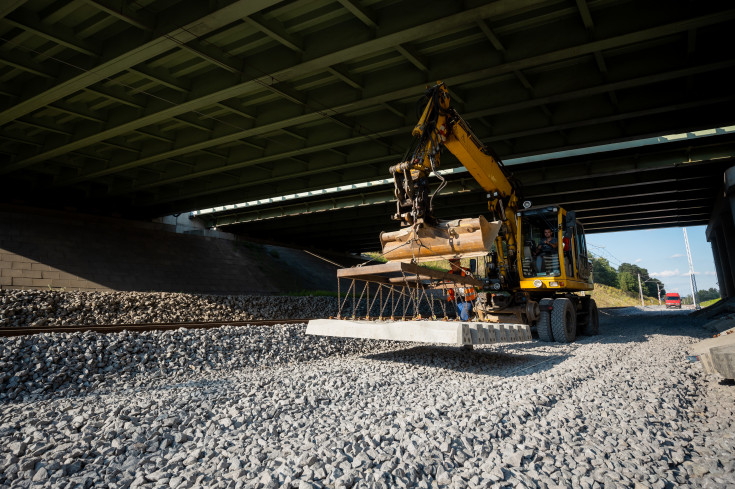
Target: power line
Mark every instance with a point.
(618, 260)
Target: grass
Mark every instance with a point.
(709, 303)
(376, 257)
(606, 296)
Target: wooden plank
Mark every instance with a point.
(356, 272)
(369, 278)
(394, 270)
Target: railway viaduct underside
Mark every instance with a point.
(137, 110)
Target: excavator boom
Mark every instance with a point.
(423, 237)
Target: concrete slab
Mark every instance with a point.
(704, 347)
(441, 332)
(720, 325)
(512, 332)
(490, 338)
(478, 334)
(500, 333)
(523, 332)
(723, 360)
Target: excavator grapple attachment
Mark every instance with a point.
(449, 239)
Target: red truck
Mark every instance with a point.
(673, 300)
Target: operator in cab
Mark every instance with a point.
(462, 296)
(548, 246)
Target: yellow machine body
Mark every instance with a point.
(569, 270)
(524, 282)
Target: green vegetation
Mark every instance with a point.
(376, 257)
(441, 265)
(604, 273)
(625, 278)
(709, 303)
(709, 296)
(606, 296)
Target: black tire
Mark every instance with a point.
(584, 318)
(564, 321)
(593, 320)
(543, 326)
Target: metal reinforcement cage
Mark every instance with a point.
(412, 291)
(407, 302)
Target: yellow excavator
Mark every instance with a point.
(534, 270)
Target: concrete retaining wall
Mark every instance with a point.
(42, 249)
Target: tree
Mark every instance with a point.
(628, 279)
(650, 289)
(708, 294)
(627, 282)
(604, 273)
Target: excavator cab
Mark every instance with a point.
(553, 249)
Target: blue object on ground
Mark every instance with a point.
(464, 310)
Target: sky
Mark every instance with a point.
(663, 253)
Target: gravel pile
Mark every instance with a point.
(623, 409)
(23, 308)
(38, 308)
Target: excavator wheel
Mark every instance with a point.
(564, 321)
(593, 320)
(543, 326)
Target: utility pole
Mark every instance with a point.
(640, 289)
(658, 287)
(692, 280)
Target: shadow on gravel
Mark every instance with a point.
(480, 361)
(634, 325)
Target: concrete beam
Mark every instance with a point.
(363, 14)
(382, 43)
(442, 332)
(9, 6)
(27, 20)
(367, 102)
(191, 21)
(346, 142)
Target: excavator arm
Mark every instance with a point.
(424, 237)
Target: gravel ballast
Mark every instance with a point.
(25, 308)
(270, 407)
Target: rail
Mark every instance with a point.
(117, 328)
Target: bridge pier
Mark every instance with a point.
(721, 235)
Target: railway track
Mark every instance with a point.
(116, 328)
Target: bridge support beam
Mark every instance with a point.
(721, 235)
